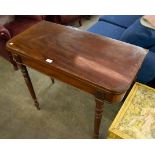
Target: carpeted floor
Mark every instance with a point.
(66, 112)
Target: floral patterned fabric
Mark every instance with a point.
(138, 119)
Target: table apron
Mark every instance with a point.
(82, 85)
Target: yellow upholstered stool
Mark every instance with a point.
(136, 118)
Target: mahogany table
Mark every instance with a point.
(99, 65)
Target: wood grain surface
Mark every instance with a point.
(101, 61)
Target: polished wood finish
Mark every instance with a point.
(99, 65)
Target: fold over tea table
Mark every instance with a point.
(101, 66)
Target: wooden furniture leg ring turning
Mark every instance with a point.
(27, 80)
(98, 117)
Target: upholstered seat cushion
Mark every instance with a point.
(3, 51)
(152, 48)
(107, 29)
(4, 33)
(35, 17)
(19, 25)
(120, 20)
(147, 71)
(139, 35)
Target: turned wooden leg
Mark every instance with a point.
(80, 22)
(52, 79)
(98, 117)
(27, 80)
(13, 62)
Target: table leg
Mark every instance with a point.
(52, 79)
(80, 22)
(27, 80)
(98, 117)
(13, 62)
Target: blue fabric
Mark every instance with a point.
(120, 20)
(135, 34)
(139, 35)
(152, 48)
(147, 71)
(107, 29)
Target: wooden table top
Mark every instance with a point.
(103, 62)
